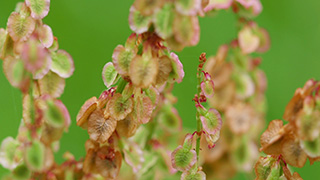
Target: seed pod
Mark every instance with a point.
(188, 7)
(46, 36)
(207, 88)
(163, 21)
(183, 159)
(186, 29)
(109, 74)
(128, 126)
(99, 128)
(122, 58)
(20, 27)
(292, 153)
(187, 175)
(119, 107)
(218, 4)
(211, 121)
(165, 68)
(14, 70)
(138, 22)
(143, 108)
(35, 156)
(39, 8)
(52, 84)
(8, 151)
(62, 64)
(87, 108)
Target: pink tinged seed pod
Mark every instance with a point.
(39, 8)
(40, 73)
(46, 36)
(14, 70)
(264, 45)
(33, 55)
(108, 162)
(62, 64)
(143, 108)
(138, 22)
(119, 107)
(87, 108)
(212, 139)
(183, 159)
(163, 21)
(211, 121)
(8, 153)
(218, 4)
(189, 7)
(52, 84)
(147, 7)
(186, 30)
(3, 36)
(133, 155)
(248, 41)
(255, 5)
(20, 27)
(187, 175)
(207, 88)
(177, 67)
(109, 74)
(122, 58)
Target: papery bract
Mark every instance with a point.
(122, 58)
(163, 21)
(87, 108)
(52, 84)
(165, 68)
(188, 7)
(62, 64)
(109, 74)
(292, 152)
(138, 22)
(20, 27)
(108, 162)
(7, 153)
(211, 121)
(248, 41)
(183, 159)
(119, 107)
(33, 55)
(46, 36)
(35, 156)
(177, 74)
(186, 29)
(39, 8)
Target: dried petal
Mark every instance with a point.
(39, 8)
(87, 108)
(128, 126)
(183, 159)
(163, 21)
(62, 64)
(99, 128)
(270, 138)
(35, 156)
(186, 29)
(292, 153)
(122, 58)
(20, 27)
(46, 36)
(119, 107)
(177, 73)
(8, 152)
(143, 70)
(108, 162)
(52, 84)
(248, 41)
(218, 4)
(138, 22)
(187, 175)
(211, 121)
(109, 74)
(188, 7)
(207, 88)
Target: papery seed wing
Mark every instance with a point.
(186, 29)
(262, 169)
(7, 48)
(33, 55)
(20, 27)
(109, 74)
(207, 88)
(133, 155)
(109, 166)
(119, 107)
(52, 84)
(165, 68)
(312, 148)
(271, 135)
(3, 37)
(62, 64)
(188, 7)
(44, 69)
(99, 128)
(138, 22)
(143, 109)
(163, 21)
(147, 7)
(51, 134)
(21, 172)
(218, 4)
(128, 126)
(35, 156)
(177, 73)
(14, 70)
(122, 58)
(211, 121)
(46, 36)
(248, 41)
(170, 119)
(292, 152)
(187, 175)
(39, 8)
(7, 153)
(183, 159)
(56, 114)
(87, 108)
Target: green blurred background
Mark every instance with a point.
(90, 29)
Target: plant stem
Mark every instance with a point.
(122, 84)
(199, 125)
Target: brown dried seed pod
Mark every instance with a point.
(108, 162)
(99, 128)
(128, 126)
(87, 108)
(292, 153)
(271, 139)
(119, 107)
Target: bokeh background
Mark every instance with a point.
(90, 29)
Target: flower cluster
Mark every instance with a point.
(185, 158)
(140, 72)
(33, 63)
(298, 140)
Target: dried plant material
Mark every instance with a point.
(99, 128)
(294, 106)
(119, 107)
(109, 74)
(248, 41)
(186, 29)
(147, 7)
(108, 162)
(292, 152)
(20, 27)
(122, 58)
(183, 158)
(133, 155)
(211, 121)
(165, 68)
(35, 156)
(143, 108)
(50, 134)
(89, 165)
(177, 73)
(62, 64)
(128, 126)
(163, 21)
(262, 168)
(313, 160)
(239, 117)
(143, 70)
(217, 4)
(311, 148)
(188, 7)
(270, 139)
(87, 108)
(52, 84)
(308, 125)
(46, 36)
(138, 22)
(39, 8)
